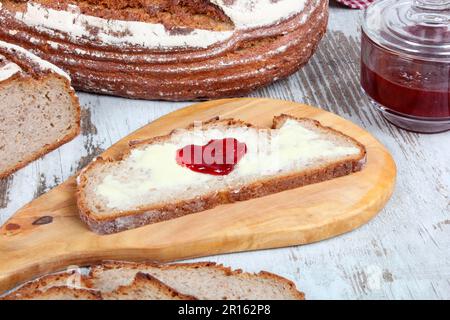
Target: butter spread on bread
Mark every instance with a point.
(148, 185)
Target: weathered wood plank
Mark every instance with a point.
(401, 254)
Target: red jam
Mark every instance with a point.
(218, 157)
(410, 87)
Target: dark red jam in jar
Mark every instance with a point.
(405, 62)
(218, 157)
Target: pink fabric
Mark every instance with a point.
(356, 4)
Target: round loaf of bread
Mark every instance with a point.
(168, 49)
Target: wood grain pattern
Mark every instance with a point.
(51, 226)
(401, 254)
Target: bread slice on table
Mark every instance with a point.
(148, 185)
(145, 287)
(38, 111)
(116, 280)
(205, 280)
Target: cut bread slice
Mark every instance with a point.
(70, 279)
(148, 185)
(38, 111)
(74, 286)
(116, 280)
(145, 287)
(205, 281)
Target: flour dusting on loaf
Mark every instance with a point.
(26, 56)
(257, 13)
(194, 50)
(7, 68)
(117, 33)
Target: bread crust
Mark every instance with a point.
(157, 213)
(250, 59)
(109, 265)
(75, 130)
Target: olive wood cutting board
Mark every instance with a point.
(47, 235)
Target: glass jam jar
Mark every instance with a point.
(405, 62)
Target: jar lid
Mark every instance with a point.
(417, 28)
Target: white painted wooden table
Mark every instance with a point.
(403, 253)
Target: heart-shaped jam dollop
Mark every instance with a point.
(218, 157)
